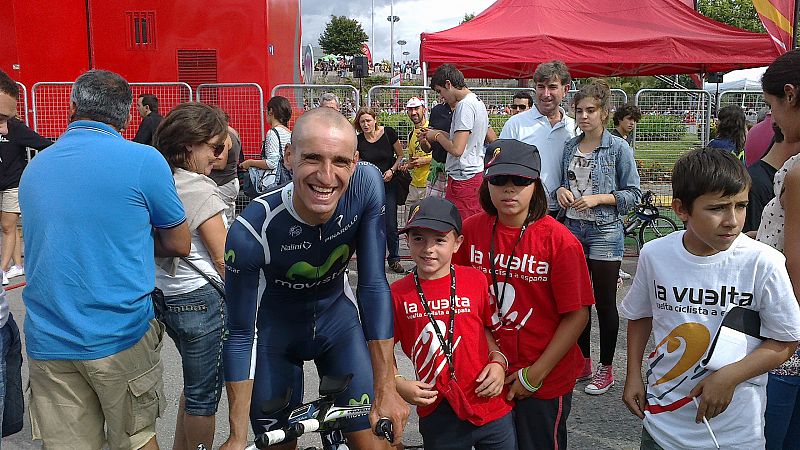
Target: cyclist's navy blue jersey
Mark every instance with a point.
(282, 270)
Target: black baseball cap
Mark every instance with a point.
(512, 157)
(436, 214)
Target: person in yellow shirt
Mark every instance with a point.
(419, 151)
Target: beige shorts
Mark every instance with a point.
(9, 200)
(72, 400)
(415, 194)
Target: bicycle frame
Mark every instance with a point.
(321, 416)
(645, 214)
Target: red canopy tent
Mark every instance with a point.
(594, 38)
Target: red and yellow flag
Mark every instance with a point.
(778, 18)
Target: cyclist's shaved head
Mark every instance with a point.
(320, 122)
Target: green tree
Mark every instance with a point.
(343, 37)
(467, 17)
(738, 13)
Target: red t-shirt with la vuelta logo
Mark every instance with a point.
(548, 279)
(414, 331)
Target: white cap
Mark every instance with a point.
(414, 102)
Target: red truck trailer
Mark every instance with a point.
(146, 41)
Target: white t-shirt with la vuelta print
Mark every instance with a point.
(687, 296)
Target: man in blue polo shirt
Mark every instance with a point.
(97, 207)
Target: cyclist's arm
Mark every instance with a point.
(244, 257)
(375, 305)
(374, 297)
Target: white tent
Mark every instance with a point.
(736, 85)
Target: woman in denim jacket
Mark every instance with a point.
(599, 184)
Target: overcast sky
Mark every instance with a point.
(416, 16)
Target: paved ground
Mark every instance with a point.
(595, 422)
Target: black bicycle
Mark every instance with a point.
(646, 223)
(320, 416)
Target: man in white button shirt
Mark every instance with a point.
(546, 126)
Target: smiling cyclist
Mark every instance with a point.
(287, 293)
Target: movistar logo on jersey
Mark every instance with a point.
(230, 255)
(308, 271)
(362, 402)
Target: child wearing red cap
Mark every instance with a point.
(442, 317)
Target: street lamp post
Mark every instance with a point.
(392, 19)
(402, 43)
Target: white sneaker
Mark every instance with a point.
(5, 279)
(622, 274)
(15, 271)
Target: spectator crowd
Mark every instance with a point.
(515, 238)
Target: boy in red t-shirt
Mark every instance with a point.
(441, 319)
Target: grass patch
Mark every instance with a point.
(665, 152)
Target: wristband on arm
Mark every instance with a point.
(505, 360)
(522, 374)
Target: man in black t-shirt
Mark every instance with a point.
(762, 172)
(440, 118)
(625, 119)
(147, 105)
(224, 173)
(15, 138)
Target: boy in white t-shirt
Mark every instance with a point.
(684, 285)
(463, 142)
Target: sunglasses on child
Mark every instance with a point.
(501, 180)
(218, 148)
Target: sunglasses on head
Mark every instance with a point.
(218, 148)
(519, 107)
(502, 180)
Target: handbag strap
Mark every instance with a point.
(280, 145)
(264, 145)
(213, 282)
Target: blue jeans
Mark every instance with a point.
(782, 417)
(600, 242)
(196, 322)
(11, 400)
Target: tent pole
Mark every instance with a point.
(425, 83)
(794, 27)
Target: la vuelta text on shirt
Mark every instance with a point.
(531, 268)
(438, 307)
(693, 299)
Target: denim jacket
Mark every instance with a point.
(613, 172)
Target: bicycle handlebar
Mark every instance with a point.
(284, 434)
(383, 429)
